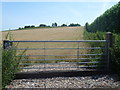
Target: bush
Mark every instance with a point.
(116, 59)
(115, 50)
(9, 66)
(116, 55)
(10, 63)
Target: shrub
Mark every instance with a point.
(10, 62)
(115, 50)
(116, 55)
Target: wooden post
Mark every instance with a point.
(109, 45)
(7, 44)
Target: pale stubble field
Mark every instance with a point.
(59, 33)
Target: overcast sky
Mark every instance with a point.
(19, 14)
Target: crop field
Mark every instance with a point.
(61, 33)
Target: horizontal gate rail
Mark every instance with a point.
(63, 41)
(92, 66)
(62, 63)
(62, 55)
(59, 59)
(56, 48)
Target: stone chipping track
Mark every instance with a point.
(89, 81)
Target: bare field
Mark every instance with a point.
(62, 33)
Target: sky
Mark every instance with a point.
(19, 14)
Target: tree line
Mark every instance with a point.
(53, 25)
(108, 21)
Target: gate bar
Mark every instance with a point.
(61, 41)
(58, 59)
(64, 67)
(62, 55)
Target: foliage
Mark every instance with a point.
(115, 50)
(63, 25)
(109, 21)
(28, 27)
(32, 26)
(10, 62)
(86, 26)
(95, 36)
(116, 55)
(9, 65)
(42, 25)
(72, 24)
(54, 24)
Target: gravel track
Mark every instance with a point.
(94, 81)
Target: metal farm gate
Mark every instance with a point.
(63, 55)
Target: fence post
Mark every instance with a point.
(109, 45)
(7, 44)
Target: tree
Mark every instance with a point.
(32, 26)
(26, 26)
(73, 25)
(54, 24)
(108, 21)
(42, 25)
(63, 25)
(87, 26)
(20, 28)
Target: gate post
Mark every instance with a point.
(7, 44)
(109, 45)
